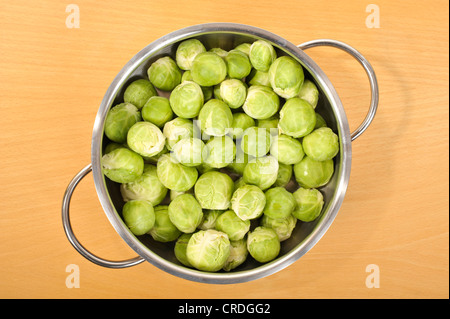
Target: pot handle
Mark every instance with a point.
(367, 67)
(71, 236)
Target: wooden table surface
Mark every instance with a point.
(396, 210)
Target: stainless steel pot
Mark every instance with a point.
(305, 235)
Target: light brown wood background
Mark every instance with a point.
(396, 210)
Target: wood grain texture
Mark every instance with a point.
(396, 210)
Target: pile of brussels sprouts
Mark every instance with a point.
(209, 167)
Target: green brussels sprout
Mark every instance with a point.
(244, 47)
(122, 165)
(238, 254)
(186, 53)
(297, 118)
(164, 230)
(119, 120)
(221, 151)
(207, 90)
(190, 151)
(256, 141)
(232, 225)
(204, 167)
(213, 190)
(261, 102)
(248, 202)
(320, 121)
(219, 51)
(286, 149)
(240, 161)
(270, 124)
(216, 92)
(233, 92)
(139, 216)
(173, 194)
(286, 77)
(262, 54)
(145, 187)
(309, 204)
(157, 110)
(282, 226)
(322, 144)
(208, 69)
(309, 93)
(112, 146)
(215, 118)
(146, 139)
(138, 92)
(310, 173)
(174, 175)
(279, 203)
(209, 219)
(263, 244)
(186, 99)
(176, 130)
(284, 175)
(261, 171)
(258, 78)
(164, 74)
(208, 250)
(241, 122)
(238, 64)
(185, 213)
(239, 182)
(180, 249)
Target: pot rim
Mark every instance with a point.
(343, 171)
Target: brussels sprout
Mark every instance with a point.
(238, 64)
(309, 93)
(322, 144)
(262, 55)
(244, 47)
(163, 230)
(119, 120)
(139, 216)
(270, 124)
(238, 254)
(312, 174)
(186, 99)
(233, 92)
(213, 190)
(145, 187)
(207, 90)
(258, 78)
(146, 139)
(297, 118)
(204, 167)
(279, 203)
(190, 151)
(256, 141)
(248, 202)
(261, 171)
(186, 53)
(209, 219)
(239, 182)
(164, 74)
(286, 77)
(174, 175)
(240, 161)
(284, 175)
(241, 122)
(309, 204)
(219, 51)
(261, 102)
(208, 69)
(173, 194)
(208, 250)
(138, 93)
(176, 130)
(215, 118)
(282, 226)
(320, 121)
(263, 244)
(221, 151)
(185, 213)
(287, 149)
(180, 249)
(232, 225)
(157, 110)
(112, 146)
(122, 165)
